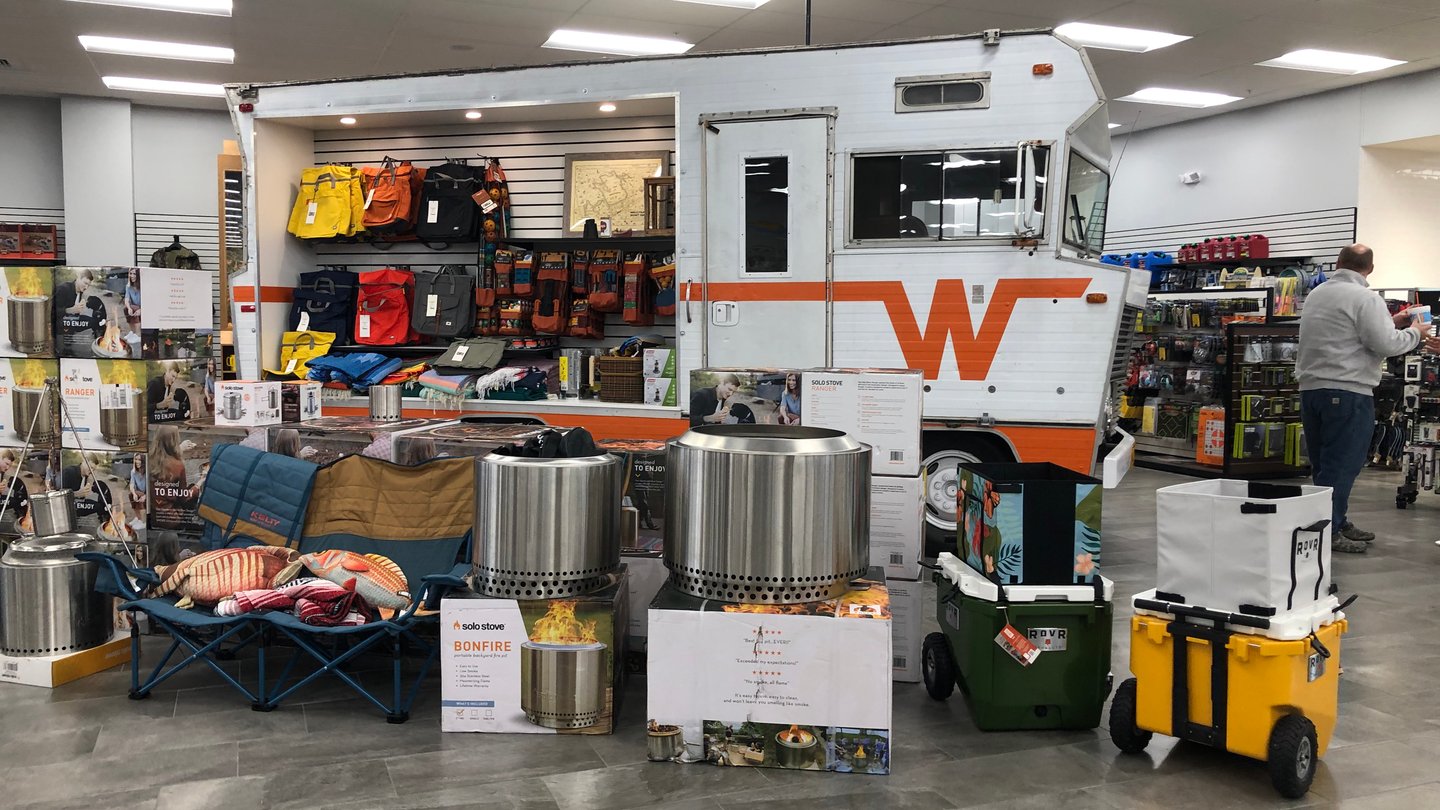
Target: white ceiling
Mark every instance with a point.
(277, 40)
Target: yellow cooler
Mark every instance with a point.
(1268, 699)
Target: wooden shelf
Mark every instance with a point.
(630, 244)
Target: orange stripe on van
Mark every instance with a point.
(764, 291)
(1072, 448)
(268, 295)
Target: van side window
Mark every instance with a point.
(767, 215)
(941, 196)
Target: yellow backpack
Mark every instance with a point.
(330, 203)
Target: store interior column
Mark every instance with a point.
(99, 174)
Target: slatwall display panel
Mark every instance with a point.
(1317, 234)
(533, 155)
(38, 216)
(199, 232)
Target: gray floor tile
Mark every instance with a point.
(648, 784)
(141, 799)
(1405, 799)
(1362, 770)
(37, 747)
(481, 759)
(233, 793)
(118, 774)
(328, 785)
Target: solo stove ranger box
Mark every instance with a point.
(801, 687)
(106, 403)
(907, 610)
(26, 318)
(897, 525)
(28, 406)
(111, 498)
(131, 313)
(300, 401)
(546, 666)
(247, 403)
(880, 407)
(644, 493)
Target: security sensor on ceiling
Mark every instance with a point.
(1190, 178)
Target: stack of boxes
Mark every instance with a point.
(642, 534)
(659, 370)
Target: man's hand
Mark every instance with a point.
(1432, 345)
(1402, 318)
(1425, 329)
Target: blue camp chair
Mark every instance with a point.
(420, 517)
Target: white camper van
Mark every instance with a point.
(942, 202)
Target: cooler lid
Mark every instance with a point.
(55, 549)
(973, 584)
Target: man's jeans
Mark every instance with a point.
(1338, 427)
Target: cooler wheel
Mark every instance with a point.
(1292, 756)
(937, 666)
(1127, 736)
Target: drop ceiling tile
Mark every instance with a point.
(666, 11)
(435, 15)
(734, 39)
(401, 58)
(945, 20)
(890, 12)
(686, 32)
(1189, 17)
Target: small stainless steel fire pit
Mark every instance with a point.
(30, 324)
(795, 748)
(123, 427)
(25, 404)
(562, 685)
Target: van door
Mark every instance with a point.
(767, 240)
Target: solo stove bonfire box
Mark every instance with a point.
(27, 319)
(179, 463)
(111, 498)
(28, 407)
(56, 670)
(547, 666)
(177, 321)
(329, 438)
(106, 404)
(130, 313)
(803, 686)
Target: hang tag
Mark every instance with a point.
(369, 198)
(116, 397)
(310, 212)
(304, 324)
(432, 211)
(460, 353)
(487, 205)
(290, 367)
(432, 305)
(1017, 645)
(364, 330)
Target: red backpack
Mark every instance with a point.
(382, 311)
(639, 292)
(552, 307)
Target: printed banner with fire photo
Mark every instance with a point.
(26, 323)
(104, 401)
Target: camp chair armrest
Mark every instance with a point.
(434, 587)
(116, 576)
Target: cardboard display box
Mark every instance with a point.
(132, 313)
(106, 402)
(29, 407)
(179, 461)
(897, 525)
(301, 401)
(880, 407)
(732, 396)
(498, 652)
(111, 493)
(647, 575)
(27, 317)
(804, 687)
(35, 473)
(56, 670)
(177, 319)
(644, 491)
(471, 436)
(180, 391)
(660, 391)
(907, 610)
(659, 363)
(247, 403)
(329, 438)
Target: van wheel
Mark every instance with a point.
(945, 451)
(937, 666)
(1292, 756)
(1127, 736)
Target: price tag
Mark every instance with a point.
(369, 198)
(116, 397)
(364, 326)
(487, 205)
(460, 353)
(1017, 645)
(304, 324)
(432, 211)
(310, 212)
(290, 367)
(432, 305)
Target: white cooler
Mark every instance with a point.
(1243, 546)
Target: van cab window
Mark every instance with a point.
(941, 196)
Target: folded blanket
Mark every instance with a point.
(451, 384)
(315, 601)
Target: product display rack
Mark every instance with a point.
(1180, 383)
(1262, 415)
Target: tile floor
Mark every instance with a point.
(86, 745)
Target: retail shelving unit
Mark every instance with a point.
(1262, 414)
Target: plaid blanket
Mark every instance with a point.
(314, 601)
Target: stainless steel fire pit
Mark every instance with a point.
(547, 527)
(25, 404)
(562, 685)
(30, 323)
(795, 748)
(767, 514)
(123, 427)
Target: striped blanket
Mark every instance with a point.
(315, 601)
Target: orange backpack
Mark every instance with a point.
(388, 201)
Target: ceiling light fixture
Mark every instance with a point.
(1346, 64)
(163, 86)
(218, 8)
(1178, 98)
(607, 107)
(473, 114)
(347, 121)
(1115, 38)
(569, 39)
(745, 4)
(157, 49)
(1116, 126)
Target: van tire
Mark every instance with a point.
(943, 451)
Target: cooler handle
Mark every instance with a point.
(1249, 508)
(1319, 647)
(1202, 613)
(1347, 602)
(1318, 527)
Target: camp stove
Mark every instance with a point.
(232, 405)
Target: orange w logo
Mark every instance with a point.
(950, 318)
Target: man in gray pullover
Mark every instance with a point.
(1346, 333)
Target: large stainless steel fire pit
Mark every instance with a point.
(767, 514)
(562, 685)
(547, 527)
(123, 427)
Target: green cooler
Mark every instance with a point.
(1063, 630)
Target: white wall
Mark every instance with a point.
(30, 173)
(1399, 208)
(99, 193)
(174, 159)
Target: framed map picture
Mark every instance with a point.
(610, 185)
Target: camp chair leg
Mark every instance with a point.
(397, 663)
(198, 652)
(135, 693)
(432, 654)
(332, 666)
(259, 705)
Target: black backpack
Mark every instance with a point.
(447, 211)
(324, 301)
(444, 303)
